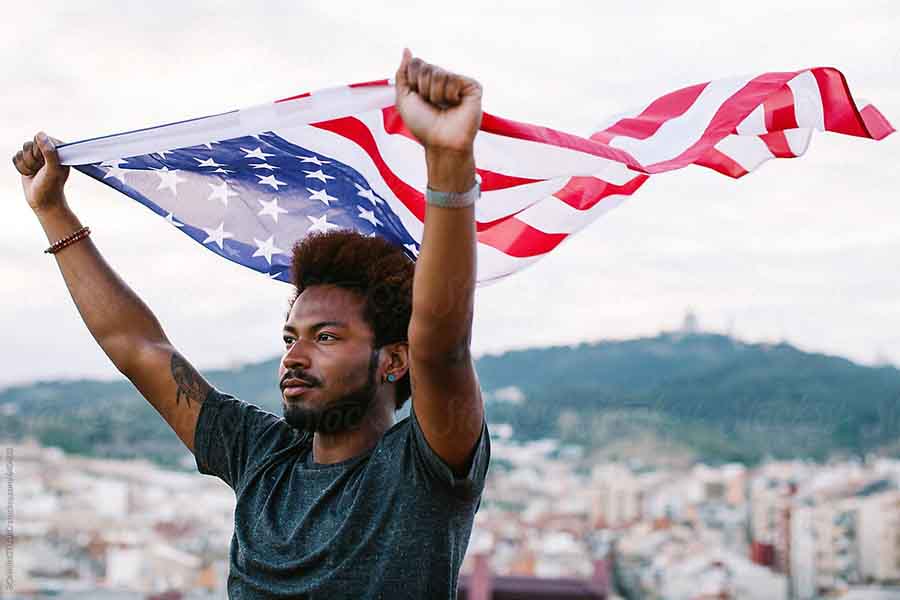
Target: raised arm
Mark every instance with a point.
(443, 111)
(121, 323)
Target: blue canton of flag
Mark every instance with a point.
(249, 199)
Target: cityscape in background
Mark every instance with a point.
(100, 528)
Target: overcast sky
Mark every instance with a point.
(803, 250)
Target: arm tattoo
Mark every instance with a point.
(191, 385)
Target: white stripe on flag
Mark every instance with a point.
(677, 135)
(754, 123)
(497, 204)
(747, 150)
(807, 101)
(798, 140)
(552, 215)
(321, 106)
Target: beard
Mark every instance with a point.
(344, 414)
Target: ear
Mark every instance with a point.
(394, 360)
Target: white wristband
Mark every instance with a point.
(454, 199)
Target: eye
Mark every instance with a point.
(288, 340)
(327, 336)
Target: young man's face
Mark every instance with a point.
(328, 346)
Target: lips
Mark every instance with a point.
(295, 387)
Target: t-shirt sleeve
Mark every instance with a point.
(233, 437)
(467, 487)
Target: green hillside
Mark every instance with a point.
(718, 398)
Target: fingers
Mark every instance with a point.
(401, 82)
(35, 154)
(423, 81)
(435, 85)
(412, 73)
(31, 156)
(28, 160)
(20, 164)
(438, 85)
(47, 148)
(453, 90)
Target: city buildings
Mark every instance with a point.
(550, 522)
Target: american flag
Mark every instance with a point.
(248, 183)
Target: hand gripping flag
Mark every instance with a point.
(247, 184)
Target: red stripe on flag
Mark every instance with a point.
(585, 192)
(654, 116)
(778, 144)
(393, 123)
(602, 137)
(727, 117)
(490, 180)
(297, 97)
(840, 111)
(535, 133)
(875, 122)
(519, 239)
(721, 162)
(375, 83)
(355, 130)
(779, 110)
(532, 242)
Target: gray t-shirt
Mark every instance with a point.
(392, 523)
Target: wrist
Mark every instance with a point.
(50, 207)
(450, 170)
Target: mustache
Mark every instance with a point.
(302, 376)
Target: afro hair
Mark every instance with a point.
(373, 267)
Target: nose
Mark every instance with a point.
(296, 356)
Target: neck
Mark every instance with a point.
(330, 448)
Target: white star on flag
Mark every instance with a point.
(314, 160)
(318, 175)
(221, 192)
(367, 194)
(412, 248)
(263, 166)
(368, 215)
(320, 195)
(169, 180)
(270, 180)
(266, 248)
(170, 219)
(258, 153)
(114, 170)
(321, 224)
(271, 208)
(209, 162)
(217, 235)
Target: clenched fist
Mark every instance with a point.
(43, 177)
(440, 108)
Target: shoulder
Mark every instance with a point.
(234, 437)
(404, 448)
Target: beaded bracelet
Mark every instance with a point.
(71, 239)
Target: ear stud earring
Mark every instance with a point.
(391, 377)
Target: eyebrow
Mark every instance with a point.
(319, 325)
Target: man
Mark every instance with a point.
(335, 500)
